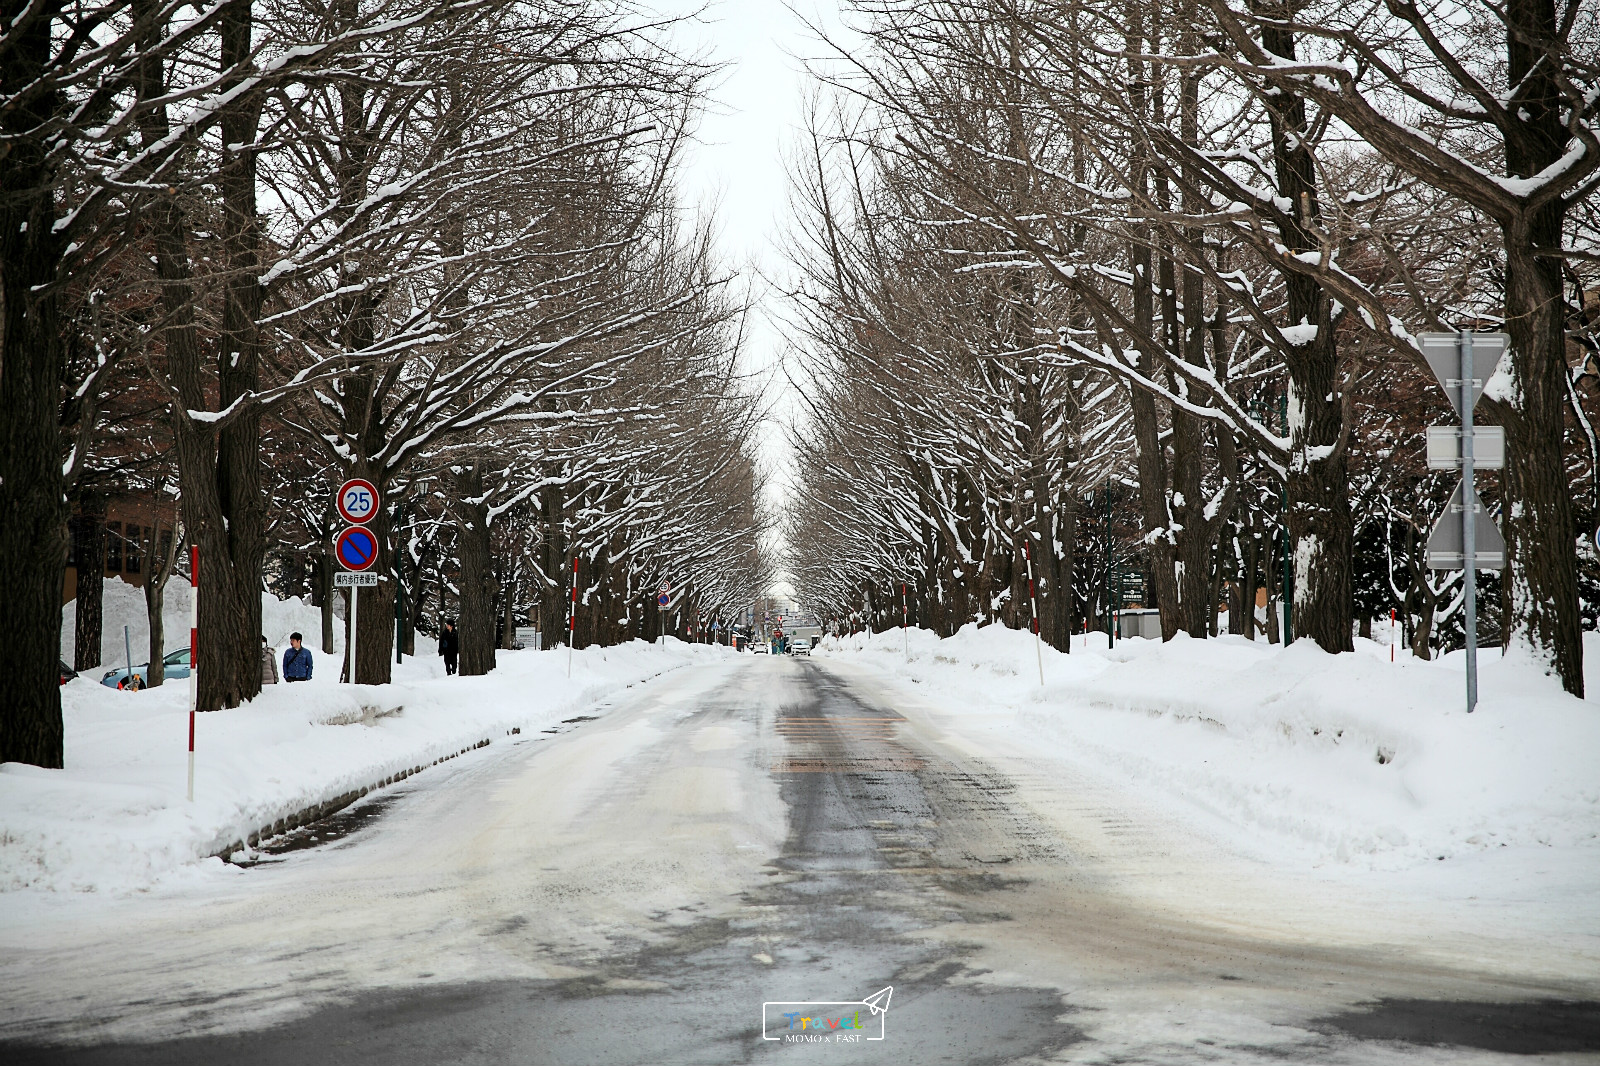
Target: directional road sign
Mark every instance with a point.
(1445, 551)
(357, 501)
(356, 548)
(1443, 353)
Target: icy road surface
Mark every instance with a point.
(635, 887)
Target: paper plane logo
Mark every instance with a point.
(827, 1022)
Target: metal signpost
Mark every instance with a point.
(1033, 610)
(572, 617)
(1463, 362)
(356, 549)
(663, 599)
(905, 622)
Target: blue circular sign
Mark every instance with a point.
(664, 599)
(356, 548)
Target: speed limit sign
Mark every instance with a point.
(357, 501)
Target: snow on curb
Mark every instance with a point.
(116, 820)
(1343, 759)
(318, 811)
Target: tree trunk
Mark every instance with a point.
(322, 576)
(33, 535)
(89, 540)
(219, 470)
(1420, 636)
(162, 565)
(1274, 590)
(375, 643)
(1252, 570)
(1541, 557)
(477, 574)
(1541, 554)
(1318, 487)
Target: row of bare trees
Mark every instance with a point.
(1054, 244)
(432, 243)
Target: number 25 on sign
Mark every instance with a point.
(357, 501)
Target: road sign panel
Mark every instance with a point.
(346, 579)
(1443, 353)
(1488, 447)
(357, 501)
(356, 548)
(663, 599)
(1445, 544)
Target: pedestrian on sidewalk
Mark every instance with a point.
(449, 645)
(269, 663)
(297, 662)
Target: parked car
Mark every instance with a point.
(176, 664)
(758, 648)
(67, 672)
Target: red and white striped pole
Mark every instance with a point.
(572, 616)
(1033, 606)
(1391, 634)
(194, 653)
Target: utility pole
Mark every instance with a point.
(1287, 594)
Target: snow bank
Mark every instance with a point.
(115, 819)
(1346, 758)
(123, 605)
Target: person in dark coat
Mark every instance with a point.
(449, 645)
(297, 662)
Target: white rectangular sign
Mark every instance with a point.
(1488, 447)
(344, 578)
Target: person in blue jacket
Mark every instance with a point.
(296, 661)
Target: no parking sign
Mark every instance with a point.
(356, 548)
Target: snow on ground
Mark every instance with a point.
(123, 605)
(1292, 754)
(116, 819)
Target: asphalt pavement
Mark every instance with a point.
(654, 883)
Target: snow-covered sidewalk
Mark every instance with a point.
(116, 819)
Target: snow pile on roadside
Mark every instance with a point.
(1344, 758)
(116, 818)
(123, 605)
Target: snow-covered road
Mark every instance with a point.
(636, 886)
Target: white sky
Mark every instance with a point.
(754, 114)
(736, 166)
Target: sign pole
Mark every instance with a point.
(1033, 607)
(1469, 519)
(350, 651)
(905, 633)
(572, 616)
